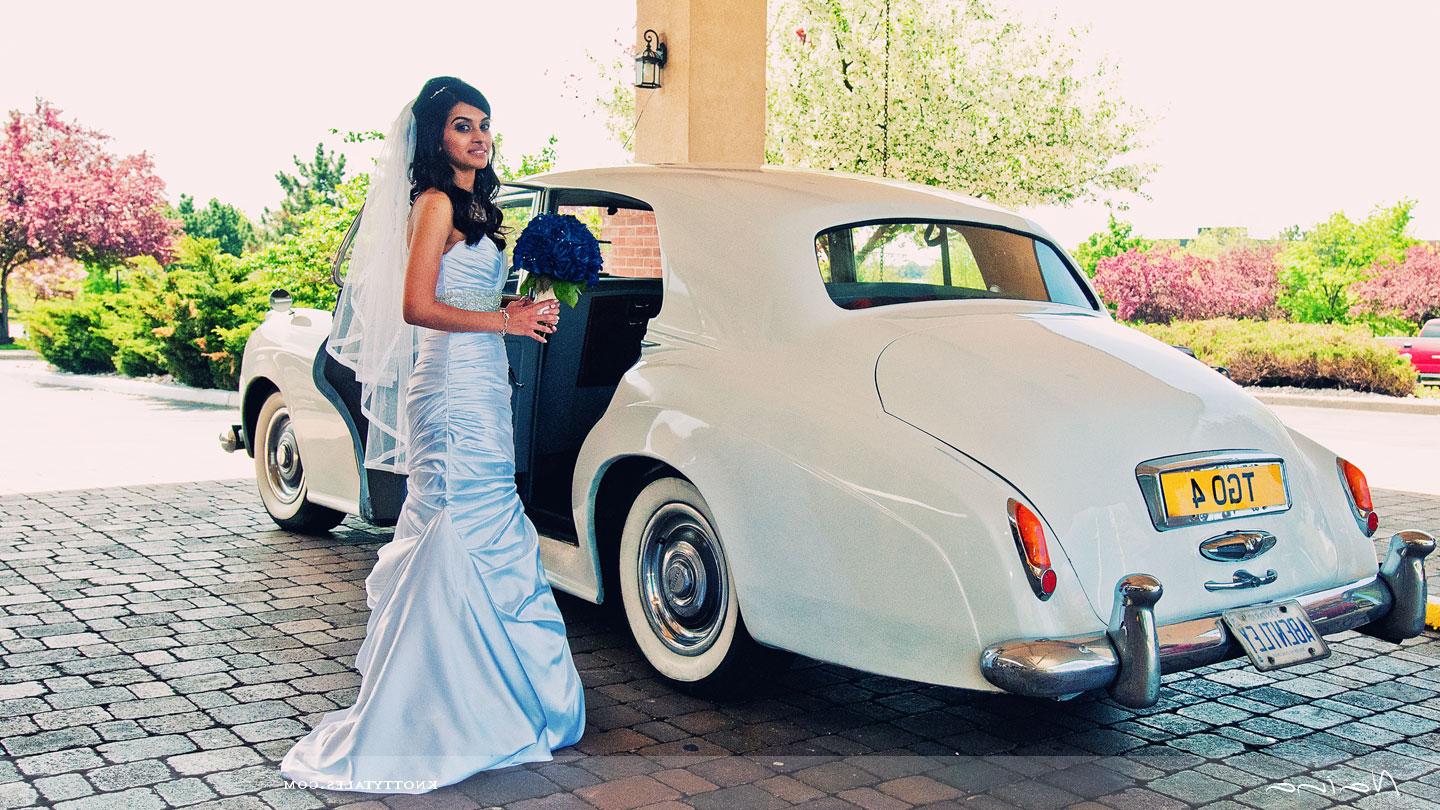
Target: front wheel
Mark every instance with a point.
(679, 595)
(281, 475)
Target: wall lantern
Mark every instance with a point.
(649, 63)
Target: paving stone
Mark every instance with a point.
(243, 636)
(145, 748)
(202, 762)
(46, 741)
(131, 774)
(626, 793)
(132, 799)
(65, 786)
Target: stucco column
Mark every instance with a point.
(710, 107)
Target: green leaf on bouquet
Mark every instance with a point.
(568, 291)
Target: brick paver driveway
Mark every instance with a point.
(165, 645)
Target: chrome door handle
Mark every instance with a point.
(1243, 579)
(647, 344)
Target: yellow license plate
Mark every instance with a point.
(1224, 489)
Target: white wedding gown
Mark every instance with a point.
(465, 664)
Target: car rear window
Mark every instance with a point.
(1431, 330)
(896, 262)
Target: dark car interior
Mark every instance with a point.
(559, 389)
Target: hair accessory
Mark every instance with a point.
(442, 89)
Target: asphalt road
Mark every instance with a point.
(1395, 450)
(54, 438)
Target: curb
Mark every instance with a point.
(144, 388)
(19, 354)
(1420, 406)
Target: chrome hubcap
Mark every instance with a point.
(682, 579)
(282, 459)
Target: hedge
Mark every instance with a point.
(1305, 355)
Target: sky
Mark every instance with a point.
(1266, 113)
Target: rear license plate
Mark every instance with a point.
(1224, 491)
(1275, 636)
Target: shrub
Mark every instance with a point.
(1304, 355)
(183, 314)
(70, 335)
(1166, 284)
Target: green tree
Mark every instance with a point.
(222, 222)
(1211, 242)
(538, 163)
(1318, 269)
(1117, 238)
(946, 94)
(318, 183)
(300, 261)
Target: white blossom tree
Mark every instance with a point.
(949, 94)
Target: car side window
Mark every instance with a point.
(518, 210)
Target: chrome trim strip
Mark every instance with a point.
(1147, 474)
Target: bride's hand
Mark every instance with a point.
(534, 320)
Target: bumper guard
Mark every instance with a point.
(1131, 655)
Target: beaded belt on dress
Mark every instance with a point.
(477, 300)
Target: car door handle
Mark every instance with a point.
(515, 381)
(648, 344)
(1243, 579)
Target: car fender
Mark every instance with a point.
(893, 543)
(281, 352)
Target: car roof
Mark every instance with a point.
(738, 243)
(757, 184)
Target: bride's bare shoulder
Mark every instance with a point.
(432, 206)
(430, 202)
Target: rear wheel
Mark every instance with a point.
(281, 475)
(679, 595)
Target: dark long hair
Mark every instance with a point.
(476, 213)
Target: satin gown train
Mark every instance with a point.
(465, 664)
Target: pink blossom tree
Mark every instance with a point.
(1166, 284)
(51, 277)
(1155, 286)
(1410, 288)
(63, 194)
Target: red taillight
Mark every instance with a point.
(1030, 541)
(1361, 504)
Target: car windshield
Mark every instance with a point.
(896, 262)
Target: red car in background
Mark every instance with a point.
(1423, 350)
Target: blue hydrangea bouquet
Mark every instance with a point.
(558, 254)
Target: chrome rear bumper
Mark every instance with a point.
(232, 438)
(1131, 655)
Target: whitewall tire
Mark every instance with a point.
(679, 595)
(280, 473)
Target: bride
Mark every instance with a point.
(465, 664)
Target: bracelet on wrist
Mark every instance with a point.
(505, 327)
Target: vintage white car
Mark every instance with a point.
(879, 424)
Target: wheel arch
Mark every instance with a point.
(256, 392)
(620, 482)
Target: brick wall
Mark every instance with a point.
(634, 248)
